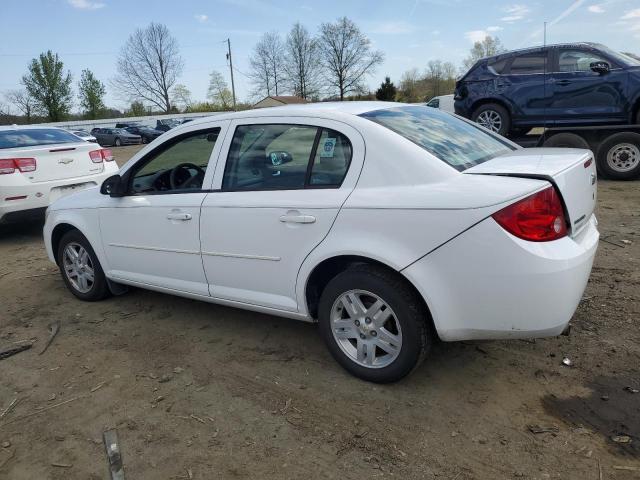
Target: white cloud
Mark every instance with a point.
(201, 17)
(494, 29)
(596, 9)
(85, 4)
(392, 28)
(515, 12)
(631, 14)
(476, 35)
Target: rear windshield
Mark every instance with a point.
(456, 142)
(35, 137)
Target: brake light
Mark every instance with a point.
(537, 218)
(10, 165)
(97, 156)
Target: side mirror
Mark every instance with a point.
(113, 186)
(275, 159)
(600, 67)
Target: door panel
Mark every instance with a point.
(524, 84)
(254, 242)
(579, 93)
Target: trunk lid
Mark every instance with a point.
(572, 171)
(58, 162)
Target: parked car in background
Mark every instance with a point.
(38, 165)
(559, 85)
(147, 134)
(84, 135)
(115, 136)
(443, 102)
(443, 230)
(128, 124)
(167, 124)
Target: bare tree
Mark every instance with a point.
(347, 56)
(487, 47)
(181, 96)
(219, 93)
(302, 62)
(22, 101)
(149, 65)
(267, 64)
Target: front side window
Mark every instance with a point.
(456, 142)
(577, 60)
(528, 64)
(278, 156)
(178, 166)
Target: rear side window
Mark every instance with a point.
(285, 157)
(36, 137)
(458, 143)
(497, 66)
(528, 64)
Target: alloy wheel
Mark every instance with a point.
(623, 157)
(366, 329)
(490, 119)
(78, 267)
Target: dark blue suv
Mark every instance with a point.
(558, 85)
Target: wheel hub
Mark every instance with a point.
(623, 157)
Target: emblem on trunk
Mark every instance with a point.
(65, 161)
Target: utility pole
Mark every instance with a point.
(233, 87)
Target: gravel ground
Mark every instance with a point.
(202, 391)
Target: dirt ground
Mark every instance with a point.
(202, 391)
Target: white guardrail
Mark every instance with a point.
(149, 121)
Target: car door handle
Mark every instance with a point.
(563, 83)
(297, 218)
(179, 216)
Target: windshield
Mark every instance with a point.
(619, 57)
(33, 138)
(456, 142)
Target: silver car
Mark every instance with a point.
(115, 136)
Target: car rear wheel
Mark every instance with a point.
(118, 142)
(80, 268)
(619, 156)
(493, 117)
(374, 324)
(566, 140)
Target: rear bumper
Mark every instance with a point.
(38, 196)
(488, 284)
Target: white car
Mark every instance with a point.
(38, 165)
(84, 135)
(443, 102)
(388, 224)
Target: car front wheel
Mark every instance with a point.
(80, 268)
(374, 324)
(493, 117)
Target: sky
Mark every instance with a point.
(90, 33)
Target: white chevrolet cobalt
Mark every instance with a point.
(388, 224)
(38, 165)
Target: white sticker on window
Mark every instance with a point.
(328, 147)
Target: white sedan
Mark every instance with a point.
(390, 225)
(38, 165)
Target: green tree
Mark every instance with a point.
(219, 93)
(181, 96)
(49, 86)
(137, 109)
(387, 91)
(487, 47)
(91, 91)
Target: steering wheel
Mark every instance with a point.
(173, 176)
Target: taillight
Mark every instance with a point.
(537, 218)
(10, 165)
(97, 156)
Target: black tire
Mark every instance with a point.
(493, 110)
(618, 157)
(99, 289)
(566, 140)
(408, 311)
(117, 142)
(145, 140)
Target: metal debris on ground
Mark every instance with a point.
(566, 361)
(9, 352)
(631, 390)
(114, 455)
(53, 331)
(621, 438)
(9, 408)
(541, 429)
(61, 465)
(627, 468)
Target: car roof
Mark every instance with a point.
(542, 47)
(319, 109)
(29, 127)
